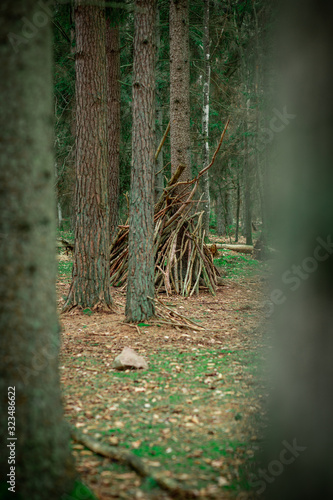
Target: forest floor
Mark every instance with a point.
(197, 414)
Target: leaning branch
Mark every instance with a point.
(216, 151)
(212, 161)
(162, 141)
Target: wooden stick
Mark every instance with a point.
(216, 151)
(162, 141)
(211, 163)
(178, 314)
(163, 168)
(172, 181)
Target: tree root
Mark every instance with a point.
(134, 462)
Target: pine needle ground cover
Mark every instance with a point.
(195, 415)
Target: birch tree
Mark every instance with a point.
(205, 117)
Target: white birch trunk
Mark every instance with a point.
(59, 215)
(205, 117)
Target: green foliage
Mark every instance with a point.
(65, 269)
(80, 492)
(149, 484)
(66, 233)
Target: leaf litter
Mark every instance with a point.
(193, 416)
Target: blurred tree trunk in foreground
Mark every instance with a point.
(29, 341)
(302, 411)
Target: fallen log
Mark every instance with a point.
(237, 248)
(248, 249)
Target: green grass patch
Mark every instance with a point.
(177, 388)
(237, 266)
(67, 234)
(65, 269)
(80, 492)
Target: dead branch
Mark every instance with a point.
(172, 318)
(162, 141)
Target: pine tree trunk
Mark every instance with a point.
(248, 184)
(140, 284)
(90, 283)
(29, 341)
(237, 209)
(220, 225)
(265, 177)
(228, 208)
(205, 118)
(113, 116)
(180, 88)
(159, 177)
(229, 219)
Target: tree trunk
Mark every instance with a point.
(247, 183)
(159, 177)
(90, 283)
(180, 88)
(140, 284)
(205, 118)
(237, 209)
(228, 208)
(29, 342)
(59, 215)
(302, 410)
(113, 117)
(220, 225)
(229, 219)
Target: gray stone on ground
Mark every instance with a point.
(129, 359)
